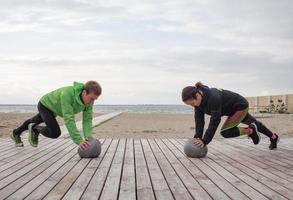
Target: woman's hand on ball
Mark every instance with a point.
(199, 142)
(84, 145)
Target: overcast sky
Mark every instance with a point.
(145, 51)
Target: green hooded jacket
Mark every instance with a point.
(65, 102)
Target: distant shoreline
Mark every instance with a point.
(137, 108)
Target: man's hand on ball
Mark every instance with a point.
(84, 145)
(95, 137)
(199, 142)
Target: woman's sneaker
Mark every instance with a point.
(33, 136)
(17, 139)
(254, 135)
(274, 141)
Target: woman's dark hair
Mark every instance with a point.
(190, 92)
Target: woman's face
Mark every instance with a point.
(194, 102)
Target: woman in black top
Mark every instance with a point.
(216, 103)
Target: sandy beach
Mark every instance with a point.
(148, 125)
(9, 121)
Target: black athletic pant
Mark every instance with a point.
(51, 130)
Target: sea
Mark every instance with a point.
(143, 108)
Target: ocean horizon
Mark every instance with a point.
(105, 108)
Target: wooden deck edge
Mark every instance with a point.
(96, 122)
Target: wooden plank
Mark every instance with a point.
(221, 160)
(24, 158)
(17, 153)
(62, 187)
(144, 186)
(190, 183)
(222, 183)
(10, 190)
(277, 156)
(161, 188)
(127, 186)
(286, 143)
(262, 187)
(37, 180)
(259, 167)
(176, 185)
(66, 182)
(46, 186)
(78, 187)
(12, 177)
(5, 145)
(264, 159)
(247, 168)
(97, 182)
(14, 151)
(214, 191)
(280, 155)
(148, 169)
(112, 184)
(235, 181)
(283, 150)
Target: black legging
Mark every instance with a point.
(51, 130)
(234, 132)
(260, 126)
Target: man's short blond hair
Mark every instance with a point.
(93, 87)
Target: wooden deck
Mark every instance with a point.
(146, 169)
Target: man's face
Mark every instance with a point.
(89, 99)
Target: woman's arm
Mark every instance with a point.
(199, 122)
(216, 109)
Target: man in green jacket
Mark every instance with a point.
(64, 102)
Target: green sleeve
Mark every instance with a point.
(87, 122)
(69, 118)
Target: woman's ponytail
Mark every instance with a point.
(199, 85)
(191, 91)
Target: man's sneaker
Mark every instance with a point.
(33, 136)
(254, 135)
(274, 141)
(16, 138)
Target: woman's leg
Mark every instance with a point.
(274, 138)
(249, 119)
(231, 129)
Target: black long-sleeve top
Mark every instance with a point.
(216, 103)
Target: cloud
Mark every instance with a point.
(145, 51)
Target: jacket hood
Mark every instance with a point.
(78, 87)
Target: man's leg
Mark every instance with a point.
(51, 130)
(37, 119)
(15, 135)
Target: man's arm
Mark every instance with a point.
(87, 122)
(69, 118)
